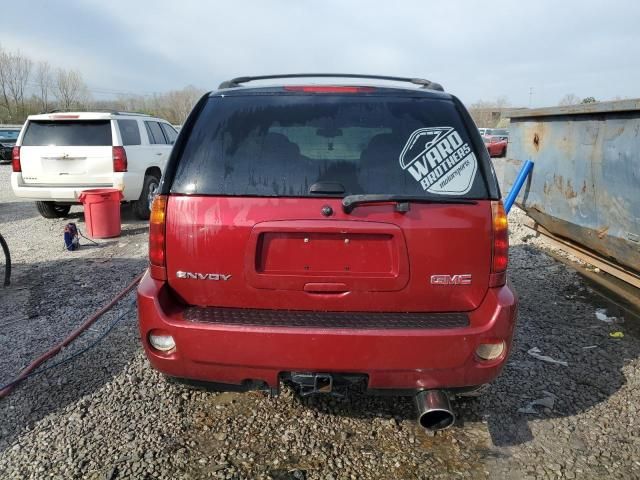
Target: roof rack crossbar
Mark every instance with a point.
(236, 82)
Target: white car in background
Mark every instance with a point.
(58, 155)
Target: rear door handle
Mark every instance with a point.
(325, 287)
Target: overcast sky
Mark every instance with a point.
(476, 49)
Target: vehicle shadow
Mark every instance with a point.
(131, 225)
(126, 214)
(14, 209)
(45, 302)
(17, 210)
(557, 316)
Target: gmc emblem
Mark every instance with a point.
(462, 279)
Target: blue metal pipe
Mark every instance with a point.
(517, 185)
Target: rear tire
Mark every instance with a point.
(52, 209)
(142, 206)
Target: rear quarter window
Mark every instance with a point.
(87, 133)
(169, 132)
(129, 132)
(280, 145)
(155, 133)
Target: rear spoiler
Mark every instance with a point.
(238, 81)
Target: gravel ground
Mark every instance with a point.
(107, 415)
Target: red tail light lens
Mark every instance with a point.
(500, 254)
(157, 266)
(15, 159)
(328, 89)
(119, 159)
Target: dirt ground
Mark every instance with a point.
(105, 414)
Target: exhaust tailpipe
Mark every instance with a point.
(434, 410)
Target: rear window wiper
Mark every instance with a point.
(402, 201)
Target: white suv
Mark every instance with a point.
(58, 155)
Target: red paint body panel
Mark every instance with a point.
(497, 149)
(392, 359)
(382, 259)
(364, 256)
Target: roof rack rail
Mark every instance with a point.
(99, 110)
(236, 82)
(134, 113)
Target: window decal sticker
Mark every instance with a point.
(438, 159)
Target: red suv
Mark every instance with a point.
(326, 235)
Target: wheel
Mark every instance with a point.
(142, 206)
(52, 209)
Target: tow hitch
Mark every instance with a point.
(311, 383)
(336, 384)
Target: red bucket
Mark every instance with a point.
(102, 212)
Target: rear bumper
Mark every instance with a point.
(398, 359)
(129, 183)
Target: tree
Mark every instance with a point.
(70, 89)
(180, 102)
(588, 100)
(15, 70)
(66, 89)
(488, 113)
(19, 74)
(4, 82)
(569, 99)
(44, 81)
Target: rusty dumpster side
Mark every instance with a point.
(585, 185)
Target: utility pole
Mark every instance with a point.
(530, 95)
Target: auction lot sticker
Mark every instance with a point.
(438, 159)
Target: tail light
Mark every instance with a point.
(15, 159)
(500, 253)
(157, 264)
(119, 159)
(328, 89)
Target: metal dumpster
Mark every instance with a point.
(585, 185)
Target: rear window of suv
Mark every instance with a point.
(81, 133)
(280, 145)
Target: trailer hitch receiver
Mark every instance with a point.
(312, 383)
